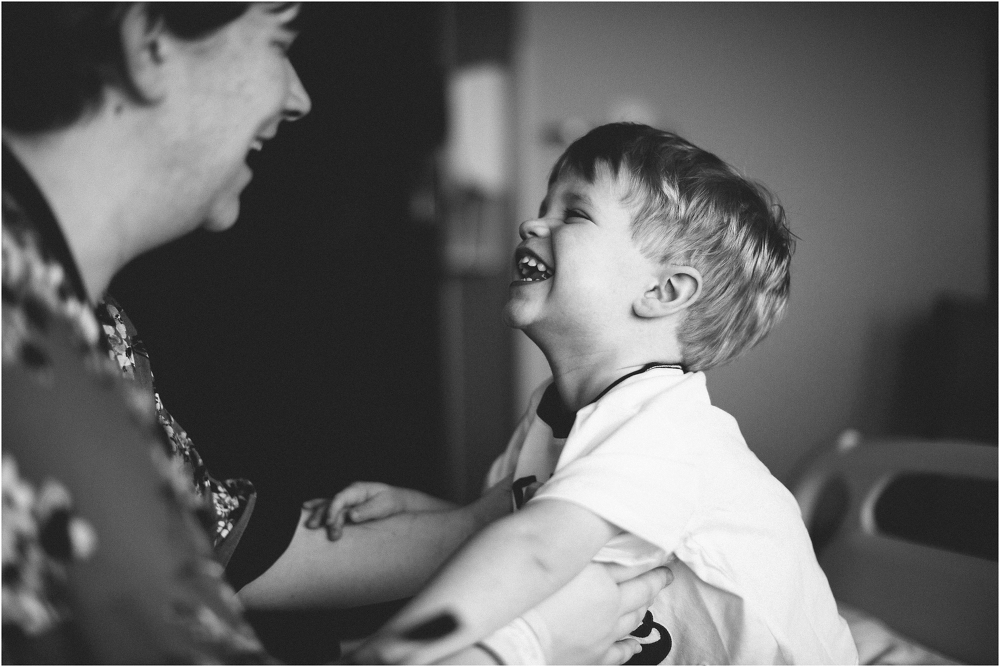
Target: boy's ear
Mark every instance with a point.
(144, 44)
(677, 288)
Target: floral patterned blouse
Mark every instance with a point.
(227, 504)
(109, 516)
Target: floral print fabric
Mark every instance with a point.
(41, 536)
(51, 336)
(225, 499)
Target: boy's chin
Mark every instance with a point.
(510, 318)
(520, 313)
(520, 310)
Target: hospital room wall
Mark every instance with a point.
(871, 124)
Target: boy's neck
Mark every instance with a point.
(583, 364)
(580, 380)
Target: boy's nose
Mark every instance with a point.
(533, 227)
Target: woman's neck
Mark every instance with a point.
(73, 172)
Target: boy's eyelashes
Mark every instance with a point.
(567, 214)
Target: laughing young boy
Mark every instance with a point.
(650, 262)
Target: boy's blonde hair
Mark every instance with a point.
(691, 208)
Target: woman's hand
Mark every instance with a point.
(584, 623)
(367, 501)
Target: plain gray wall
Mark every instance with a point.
(868, 121)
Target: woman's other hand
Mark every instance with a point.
(587, 622)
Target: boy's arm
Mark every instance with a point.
(372, 562)
(508, 568)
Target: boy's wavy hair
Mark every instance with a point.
(691, 208)
(58, 57)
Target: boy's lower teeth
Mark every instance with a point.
(535, 276)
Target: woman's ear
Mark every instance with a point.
(143, 46)
(676, 289)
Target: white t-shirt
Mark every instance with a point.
(655, 458)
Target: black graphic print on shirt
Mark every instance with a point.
(655, 640)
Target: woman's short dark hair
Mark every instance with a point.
(58, 57)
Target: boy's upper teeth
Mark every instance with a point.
(531, 261)
(533, 269)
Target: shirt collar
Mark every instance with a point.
(560, 419)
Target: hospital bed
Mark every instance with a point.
(906, 532)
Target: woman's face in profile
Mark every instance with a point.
(227, 95)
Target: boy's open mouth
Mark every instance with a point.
(530, 268)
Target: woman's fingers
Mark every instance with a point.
(639, 591)
(629, 621)
(621, 651)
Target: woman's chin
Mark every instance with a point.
(222, 216)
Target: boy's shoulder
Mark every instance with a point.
(662, 413)
(673, 396)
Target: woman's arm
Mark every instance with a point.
(372, 562)
(507, 569)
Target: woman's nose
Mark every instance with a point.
(533, 227)
(298, 102)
